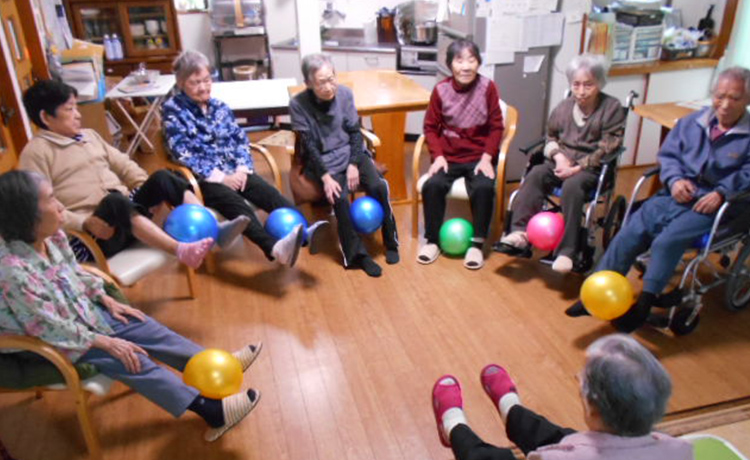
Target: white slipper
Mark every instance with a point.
(236, 408)
(474, 259)
(428, 254)
(246, 355)
(562, 264)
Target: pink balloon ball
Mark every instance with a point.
(545, 230)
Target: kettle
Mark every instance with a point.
(424, 33)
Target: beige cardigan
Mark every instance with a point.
(82, 172)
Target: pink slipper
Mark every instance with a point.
(496, 382)
(444, 397)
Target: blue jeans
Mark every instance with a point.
(156, 383)
(668, 228)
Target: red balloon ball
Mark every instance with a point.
(545, 230)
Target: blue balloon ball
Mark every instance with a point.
(188, 223)
(367, 214)
(281, 221)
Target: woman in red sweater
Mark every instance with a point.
(463, 127)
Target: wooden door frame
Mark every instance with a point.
(39, 67)
(10, 89)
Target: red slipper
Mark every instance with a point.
(496, 382)
(444, 397)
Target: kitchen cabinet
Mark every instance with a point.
(147, 30)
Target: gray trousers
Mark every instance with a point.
(160, 386)
(539, 183)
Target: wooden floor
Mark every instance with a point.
(349, 361)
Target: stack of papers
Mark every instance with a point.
(82, 77)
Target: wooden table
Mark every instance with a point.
(386, 96)
(665, 115)
(255, 97)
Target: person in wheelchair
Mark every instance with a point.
(46, 294)
(463, 127)
(704, 160)
(581, 130)
(104, 192)
(325, 117)
(202, 134)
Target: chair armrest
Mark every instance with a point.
(185, 171)
(415, 163)
(612, 156)
(271, 163)
(99, 273)
(532, 146)
(738, 197)
(652, 171)
(371, 139)
(47, 351)
(99, 258)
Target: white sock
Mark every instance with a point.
(506, 403)
(452, 418)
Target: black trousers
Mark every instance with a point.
(376, 186)
(539, 183)
(232, 203)
(117, 210)
(526, 429)
(481, 191)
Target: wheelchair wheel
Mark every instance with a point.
(681, 324)
(738, 286)
(613, 220)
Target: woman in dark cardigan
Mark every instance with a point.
(581, 131)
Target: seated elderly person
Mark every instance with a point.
(704, 160)
(46, 294)
(624, 391)
(581, 130)
(104, 192)
(325, 117)
(463, 127)
(202, 134)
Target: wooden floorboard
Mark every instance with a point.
(349, 361)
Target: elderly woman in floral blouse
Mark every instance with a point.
(46, 294)
(202, 134)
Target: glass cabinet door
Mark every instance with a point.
(96, 21)
(149, 27)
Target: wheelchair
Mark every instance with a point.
(602, 210)
(723, 254)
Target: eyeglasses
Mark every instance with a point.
(322, 82)
(192, 83)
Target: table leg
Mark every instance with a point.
(390, 128)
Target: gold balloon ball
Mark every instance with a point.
(215, 373)
(607, 295)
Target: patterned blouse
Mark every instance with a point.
(53, 299)
(207, 143)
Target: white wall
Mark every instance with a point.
(195, 33)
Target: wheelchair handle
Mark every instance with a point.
(529, 148)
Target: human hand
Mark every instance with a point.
(98, 227)
(352, 177)
(123, 350)
(437, 165)
(709, 204)
(485, 166)
(119, 311)
(331, 188)
(236, 181)
(682, 190)
(567, 171)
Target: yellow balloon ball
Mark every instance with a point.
(607, 295)
(215, 373)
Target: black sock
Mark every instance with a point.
(369, 266)
(576, 310)
(209, 409)
(391, 256)
(637, 315)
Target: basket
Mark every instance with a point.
(673, 54)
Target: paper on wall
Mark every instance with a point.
(500, 7)
(543, 5)
(504, 33)
(544, 29)
(498, 57)
(532, 64)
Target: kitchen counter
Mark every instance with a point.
(356, 45)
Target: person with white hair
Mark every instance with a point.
(704, 160)
(624, 391)
(581, 130)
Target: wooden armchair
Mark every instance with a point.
(458, 190)
(79, 389)
(306, 191)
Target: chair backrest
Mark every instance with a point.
(710, 447)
